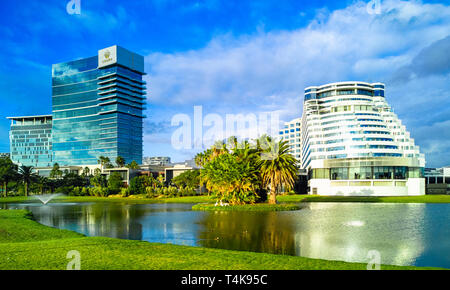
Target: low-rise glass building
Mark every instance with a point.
(30, 139)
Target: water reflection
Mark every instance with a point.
(404, 234)
(260, 232)
(347, 232)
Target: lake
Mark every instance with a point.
(403, 234)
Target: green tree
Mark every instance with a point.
(86, 172)
(73, 180)
(120, 161)
(43, 183)
(133, 165)
(200, 159)
(56, 172)
(136, 185)
(8, 172)
(148, 181)
(99, 180)
(188, 179)
(115, 182)
(27, 176)
(231, 179)
(278, 168)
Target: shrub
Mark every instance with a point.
(65, 190)
(99, 191)
(150, 191)
(76, 191)
(124, 192)
(85, 191)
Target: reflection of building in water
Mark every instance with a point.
(347, 232)
(110, 221)
(438, 180)
(266, 232)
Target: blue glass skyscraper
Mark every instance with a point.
(97, 107)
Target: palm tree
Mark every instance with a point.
(26, 175)
(8, 172)
(200, 159)
(218, 149)
(43, 183)
(97, 171)
(56, 171)
(278, 168)
(120, 161)
(86, 172)
(103, 161)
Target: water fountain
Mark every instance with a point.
(45, 198)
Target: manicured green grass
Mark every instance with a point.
(389, 199)
(17, 226)
(207, 199)
(25, 244)
(248, 207)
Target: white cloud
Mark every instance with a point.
(271, 69)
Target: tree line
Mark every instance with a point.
(21, 180)
(233, 172)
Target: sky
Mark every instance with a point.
(238, 57)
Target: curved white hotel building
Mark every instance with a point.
(354, 144)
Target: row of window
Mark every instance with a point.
(367, 172)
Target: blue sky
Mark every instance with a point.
(238, 57)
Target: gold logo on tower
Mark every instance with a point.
(107, 57)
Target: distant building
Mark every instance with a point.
(156, 160)
(126, 173)
(292, 134)
(174, 171)
(30, 139)
(438, 180)
(5, 155)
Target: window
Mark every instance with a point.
(339, 173)
(382, 172)
(400, 172)
(360, 173)
(321, 173)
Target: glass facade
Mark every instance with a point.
(31, 140)
(98, 109)
(367, 172)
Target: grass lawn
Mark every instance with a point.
(248, 207)
(394, 199)
(26, 244)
